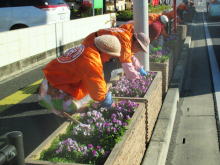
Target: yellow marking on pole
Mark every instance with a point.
(19, 96)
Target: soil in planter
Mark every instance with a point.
(92, 141)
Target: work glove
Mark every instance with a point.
(108, 101)
(143, 72)
(159, 47)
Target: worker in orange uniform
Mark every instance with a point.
(154, 29)
(78, 72)
(181, 8)
(170, 15)
(160, 18)
(130, 43)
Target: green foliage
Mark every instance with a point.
(151, 9)
(125, 14)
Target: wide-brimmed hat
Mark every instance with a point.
(143, 40)
(108, 44)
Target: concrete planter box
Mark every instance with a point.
(176, 52)
(182, 29)
(167, 72)
(130, 150)
(152, 100)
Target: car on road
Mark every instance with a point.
(17, 14)
(213, 9)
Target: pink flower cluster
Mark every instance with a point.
(136, 88)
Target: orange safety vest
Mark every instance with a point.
(78, 72)
(170, 15)
(183, 7)
(156, 17)
(124, 36)
(129, 26)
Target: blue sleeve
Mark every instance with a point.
(108, 101)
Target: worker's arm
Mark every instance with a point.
(163, 32)
(96, 86)
(138, 66)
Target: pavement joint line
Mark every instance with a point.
(19, 96)
(214, 67)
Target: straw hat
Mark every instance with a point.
(143, 40)
(108, 44)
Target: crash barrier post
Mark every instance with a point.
(14, 151)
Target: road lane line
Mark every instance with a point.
(214, 67)
(19, 96)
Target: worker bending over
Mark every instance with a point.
(130, 43)
(71, 79)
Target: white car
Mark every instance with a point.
(17, 14)
(214, 9)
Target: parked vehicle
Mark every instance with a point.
(17, 14)
(214, 9)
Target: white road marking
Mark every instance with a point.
(214, 68)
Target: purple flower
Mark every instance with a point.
(106, 153)
(115, 129)
(127, 117)
(90, 146)
(124, 124)
(99, 147)
(113, 116)
(93, 153)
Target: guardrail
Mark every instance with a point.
(13, 153)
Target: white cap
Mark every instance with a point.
(164, 19)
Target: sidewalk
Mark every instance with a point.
(195, 136)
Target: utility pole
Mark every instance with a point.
(175, 15)
(140, 15)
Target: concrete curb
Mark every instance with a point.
(159, 144)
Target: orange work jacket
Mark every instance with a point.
(170, 15)
(156, 17)
(183, 7)
(129, 26)
(78, 72)
(124, 36)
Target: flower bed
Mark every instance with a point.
(152, 98)
(174, 46)
(107, 136)
(162, 60)
(170, 40)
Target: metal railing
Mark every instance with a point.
(13, 153)
(169, 28)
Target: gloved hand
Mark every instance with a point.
(108, 101)
(159, 47)
(154, 49)
(143, 72)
